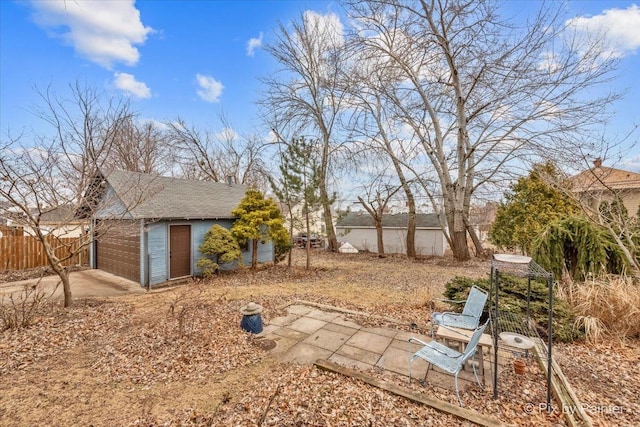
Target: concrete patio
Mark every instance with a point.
(308, 333)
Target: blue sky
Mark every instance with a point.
(196, 59)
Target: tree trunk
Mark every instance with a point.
(460, 249)
(66, 287)
(308, 244)
(480, 252)
(291, 236)
(458, 235)
(411, 226)
(254, 253)
(56, 266)
(379, 232)
(328, 219)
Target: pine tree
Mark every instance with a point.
(259, 220)
(219, 247)
(300, 171)
(530, 206)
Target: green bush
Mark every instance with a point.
(513, 299)
(580, 247)
(281, 245)
(219, 247)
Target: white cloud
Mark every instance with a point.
(102, 31)
(326, 29)
(254, 44)
(210, 89)
(227, 134)
(620, 26)
(129, 84)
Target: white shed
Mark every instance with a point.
(359, 230)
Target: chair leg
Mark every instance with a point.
(457, 392)
(473, 365)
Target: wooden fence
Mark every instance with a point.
(22, 252)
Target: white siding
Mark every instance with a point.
(428, 241)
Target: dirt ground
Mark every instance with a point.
(176, 356)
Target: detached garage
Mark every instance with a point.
(148, 228)
(359, 230)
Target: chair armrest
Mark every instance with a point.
(453, 313)
(412, 339)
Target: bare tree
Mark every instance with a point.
(54, 173)
(378, 131)
(305, 95)
(141, 147)
(479, 93)
(220, 156)
(378, 195)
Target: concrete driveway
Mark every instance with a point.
(84, 284)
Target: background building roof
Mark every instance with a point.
(601, 177)
(388, 220)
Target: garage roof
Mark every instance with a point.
(365, 220)
(152, 196)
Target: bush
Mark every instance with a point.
(513, 299)
(606, 306)
(281, 245)
(19, 311)
(219, 248)
(578, 246)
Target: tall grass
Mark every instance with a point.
(606, 306)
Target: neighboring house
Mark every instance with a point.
(57, 221)
(4, 213)
(60, 222)
(316, 220)
(359, 230)
(482, 218)
(149, 227)
(600, 183)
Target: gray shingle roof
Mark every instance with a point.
(150, 196)
(388, 220)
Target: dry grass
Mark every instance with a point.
(606, 307)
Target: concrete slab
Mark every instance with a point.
(397, 361)
(404, 336)
(350, 363)
(284, 320)
(308, 334)
(305, 353)
(298, 309)
(370, 341)
(84, 284)
(269, 329)
(290, 333)
(381, 331)
(322, 315)
(368, 357)
(339, 329)
(326, 339)
(344, 322)
(307, 325)
(283, 344)
(405, 346)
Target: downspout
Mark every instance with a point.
(144, 255)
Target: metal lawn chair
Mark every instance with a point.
(471, 313)
(448, 359)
